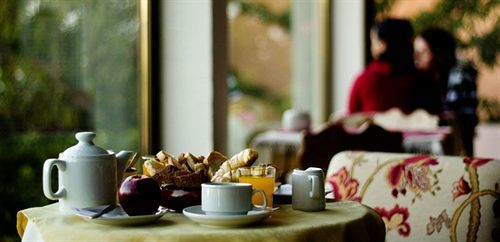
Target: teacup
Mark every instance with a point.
(229, 198)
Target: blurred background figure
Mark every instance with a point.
(461, 102)
(388, 81)
(450, 89)
(434, 57)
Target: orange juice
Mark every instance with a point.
(261, 178)
(263, 183)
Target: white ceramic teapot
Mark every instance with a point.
(88, 174)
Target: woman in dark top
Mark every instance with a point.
(450, 87)
(434, 58)
(388, 81)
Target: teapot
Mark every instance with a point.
(88, 174)
(308, 189)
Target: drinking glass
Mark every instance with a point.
(261, 177)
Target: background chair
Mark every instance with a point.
(422, 197)
(318, 148)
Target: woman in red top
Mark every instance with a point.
(388, 81)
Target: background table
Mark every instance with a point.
(341, 221)
(281, 148)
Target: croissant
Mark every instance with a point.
(228, 169)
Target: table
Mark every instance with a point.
(436, 142)
(341, 221)
(280, 147)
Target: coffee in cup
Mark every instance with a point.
(228, 198)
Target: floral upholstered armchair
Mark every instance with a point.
(422, 197)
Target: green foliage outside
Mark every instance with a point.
(246, 87)
(490, 110)
(262, 12)
(279, 103)
(65, 66)
(22, 161)
(460, 15)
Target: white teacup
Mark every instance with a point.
(229, 198)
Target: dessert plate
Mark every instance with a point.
(118, 217)
(196, 214)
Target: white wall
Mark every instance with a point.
(186, 88)
(309, 59)
(302, 54)
(347, 49)
(486, 141)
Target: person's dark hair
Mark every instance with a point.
(442, 45)
(398, 37)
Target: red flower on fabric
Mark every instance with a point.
(423, 160)
(395, 175)
(476, 162)
(396, 218)
(417, 177)
(344, 187)
(412, 172)
(460, 187)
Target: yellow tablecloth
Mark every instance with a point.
(341, 221)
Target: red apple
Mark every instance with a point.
(139, 195)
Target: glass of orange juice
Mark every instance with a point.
(261, 177)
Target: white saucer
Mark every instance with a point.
(196, 214)
(286, 190)
(118, 217)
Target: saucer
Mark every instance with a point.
(283, 195)
(118, 216)
(196, 214)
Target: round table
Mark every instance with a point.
(340, 221)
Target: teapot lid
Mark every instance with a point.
(85, 146)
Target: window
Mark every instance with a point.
(278, 59)
(67, 66)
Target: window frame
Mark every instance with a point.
(148, 75)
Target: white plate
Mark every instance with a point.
(196, 214)
(118, 217)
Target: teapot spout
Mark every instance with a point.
(123, 159)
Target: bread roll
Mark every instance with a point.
(213, 161)
(151, 167)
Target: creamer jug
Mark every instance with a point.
(308, 189)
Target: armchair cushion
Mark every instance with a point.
(422, 197)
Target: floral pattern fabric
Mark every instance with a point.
(422, 197)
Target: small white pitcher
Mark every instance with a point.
(308, 189)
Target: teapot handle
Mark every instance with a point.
(47, 179)
(315, 190)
